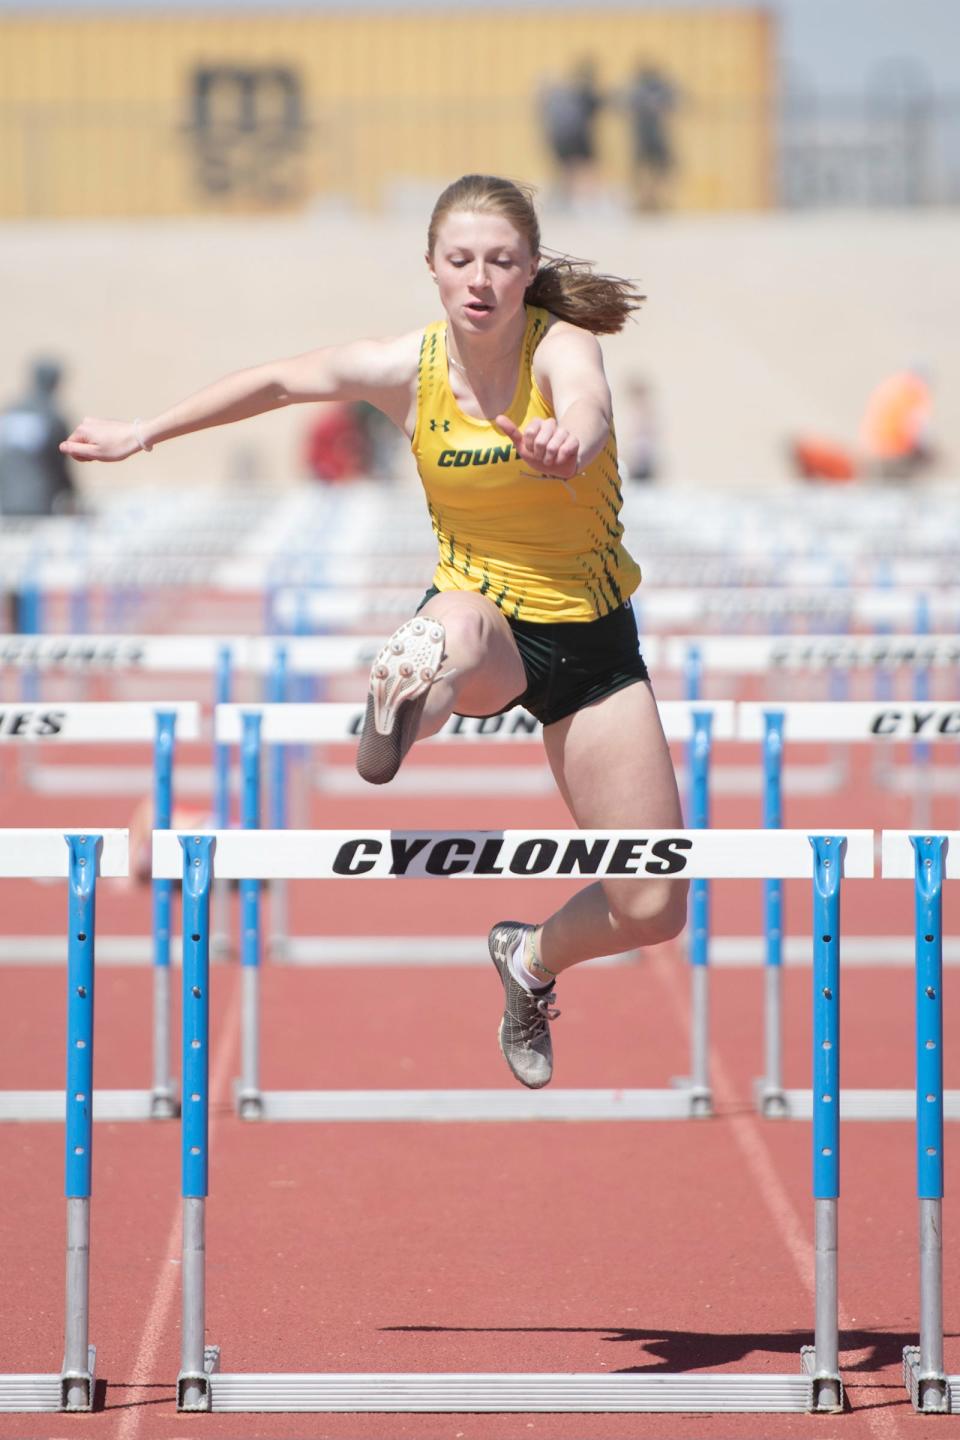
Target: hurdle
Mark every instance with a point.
(928, 860)
(80, 858)
(99, 723)
(853, 721)
(696, 722)
(324, 854)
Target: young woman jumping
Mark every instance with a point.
(508, 413)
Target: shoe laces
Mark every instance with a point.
(536, 1011)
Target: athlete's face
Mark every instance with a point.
(482, 266)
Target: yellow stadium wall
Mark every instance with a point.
(97, 119)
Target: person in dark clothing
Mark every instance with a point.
(649, 100)
(35, 475)
(568, 110)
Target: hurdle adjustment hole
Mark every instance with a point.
(931, 1152)
(826, 1045)
(197, 992)
(81, 936)
(931, 1044)
(931, 993)
(194, 1044)
(81, 1044)
(195, 938)
(80, 1097)
(826, 1150)
(194, 1149)
(827, 939)
(929, 939)
(827, 993)
(827, 1099)
(82, 991)
(931, 1099)
(78, 1149)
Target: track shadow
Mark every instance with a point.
(685, 1350)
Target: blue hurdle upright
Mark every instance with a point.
(80, 858)
(928, 860)
(325, 854)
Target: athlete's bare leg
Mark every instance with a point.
(482, 671)
(613, 768)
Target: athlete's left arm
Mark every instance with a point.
(568, 368)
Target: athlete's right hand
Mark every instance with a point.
(101, 440)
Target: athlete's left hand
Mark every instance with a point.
(544, 446)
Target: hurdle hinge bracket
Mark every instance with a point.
(193, 1387)
(699, 1097)
(929, 1390)
(248, 1102)
(164, 1102)
(770, 1100)
(77, 1386)
(827, 1397)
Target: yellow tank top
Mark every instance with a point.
(538, 551)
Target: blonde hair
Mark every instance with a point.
(570, 289)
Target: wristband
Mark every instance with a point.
(138, 436)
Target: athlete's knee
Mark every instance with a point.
(651, 912)
(467, 635)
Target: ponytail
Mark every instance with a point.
(572, 290)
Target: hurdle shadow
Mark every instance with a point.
(682, 1351)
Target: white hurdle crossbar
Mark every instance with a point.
(116, 723)
(79, 857)
(293, 724)
(503, 854)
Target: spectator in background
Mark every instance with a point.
(895, 430)
(35, 476)
(637, 431)
(649, 100)
(349, 440)
(894, 440)
(568, 111)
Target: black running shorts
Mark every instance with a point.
(573, 663)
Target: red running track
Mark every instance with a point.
(681, 1246)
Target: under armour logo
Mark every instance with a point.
(446, 424)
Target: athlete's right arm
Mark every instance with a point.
(382, 372)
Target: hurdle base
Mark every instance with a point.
(770, 1100)
(871, 1104)
(930, 1393)
(826, 1396)
(52, 1105)
(519, 1394)
(193, 1387)
(495, 1106)
(699, 1098)
(22, 1394)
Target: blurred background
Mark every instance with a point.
(188, 190)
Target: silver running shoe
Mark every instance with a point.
(400, 681)
(525, 1028)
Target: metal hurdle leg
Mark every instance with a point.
(196, 1362)
(73, 1387)
(697, 1084)
(769, 1093)
(163, 1096)
(816, 1386)
(923, 1369)
(249, 1098)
